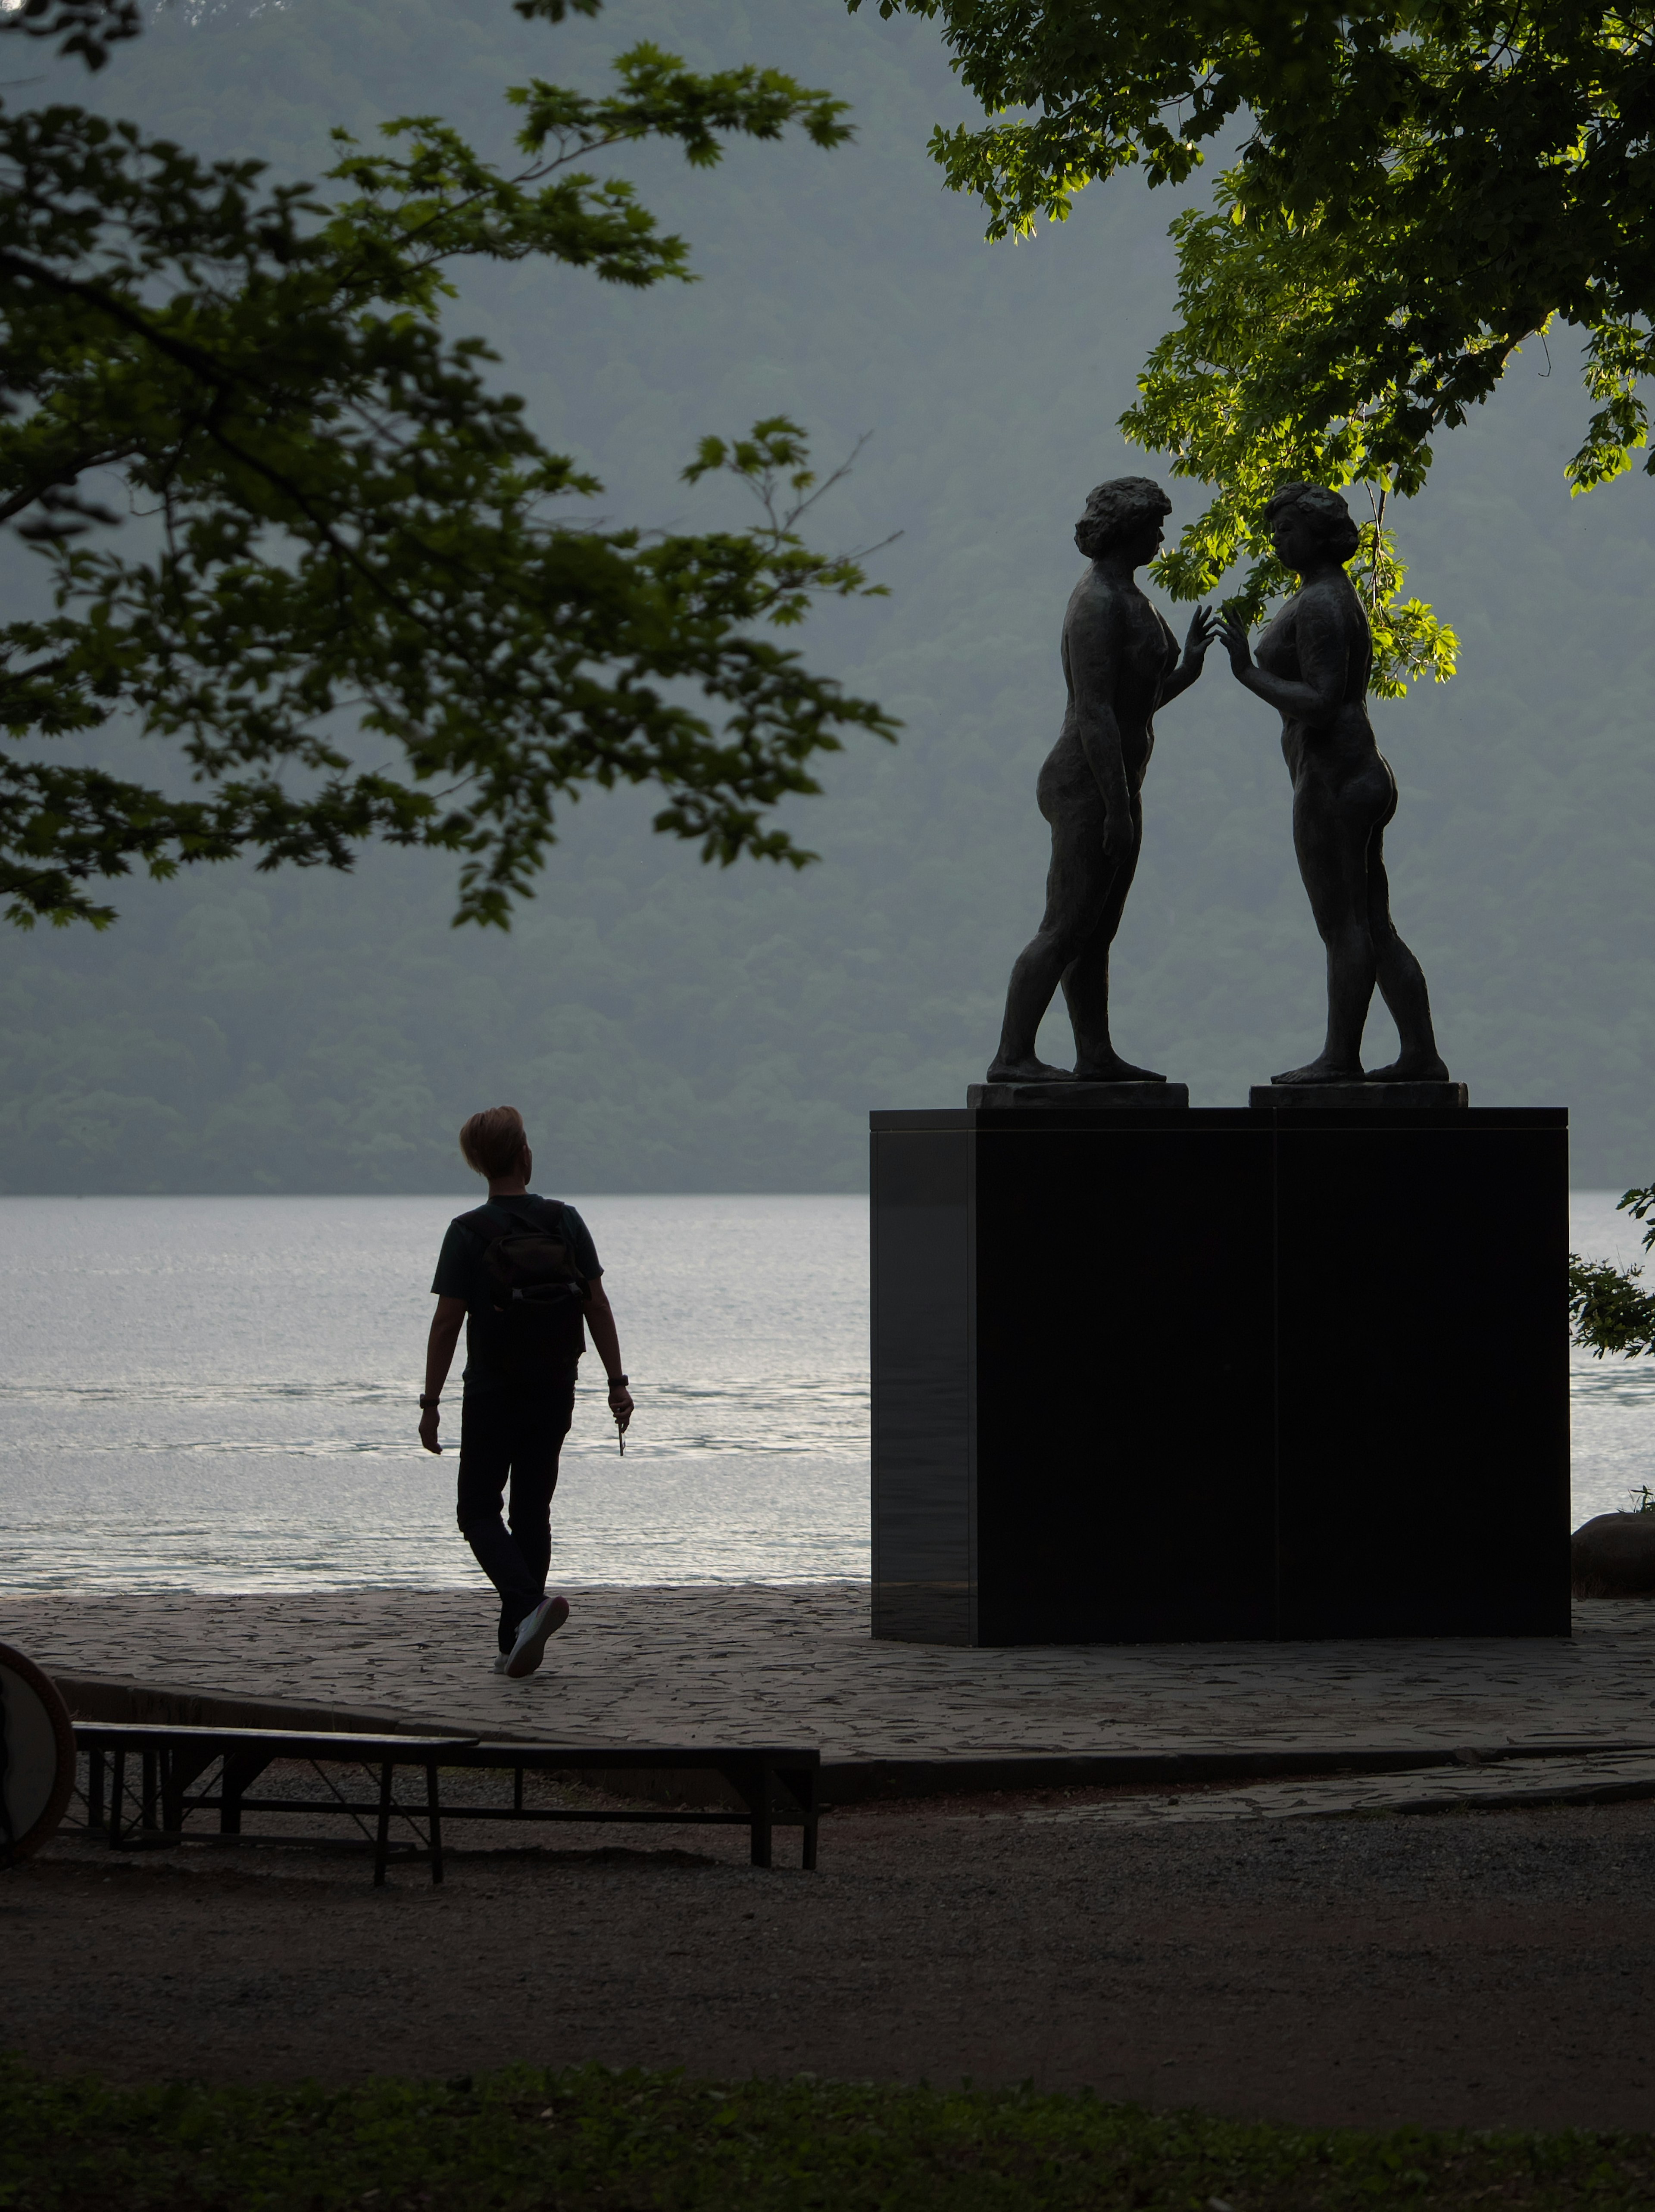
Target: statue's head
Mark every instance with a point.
(1124, 507)
(1308, 521)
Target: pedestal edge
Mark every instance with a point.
(1077, 1097)
(1237, 1120)
(1370, 1097)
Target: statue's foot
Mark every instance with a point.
(1116, 1069)
(1418, 1070)
(1321, 1071)
(1026, 1071)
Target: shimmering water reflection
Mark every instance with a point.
(217, 1393)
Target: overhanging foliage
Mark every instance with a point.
(351, 524)
(1420, 185)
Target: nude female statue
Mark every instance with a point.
(1120, 662)
(1312, 666)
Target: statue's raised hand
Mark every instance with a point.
(1232, 630)
(1203, 625)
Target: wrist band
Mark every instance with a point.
(618, 1382)
(425, 1403)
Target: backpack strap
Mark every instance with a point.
(480, 1223)
(489, 1228)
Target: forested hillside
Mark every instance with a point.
(669, 1027)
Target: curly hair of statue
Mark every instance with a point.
(1334, 521)
(1112, 509)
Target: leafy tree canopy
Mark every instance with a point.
(345, 523)
(1421, 184)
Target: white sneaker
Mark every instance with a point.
(500, 1662)
(529, 1649)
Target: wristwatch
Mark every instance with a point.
(619, 1382)
(425, 1403)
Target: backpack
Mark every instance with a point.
(537, 1294)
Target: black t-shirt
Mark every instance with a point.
(461, 1274)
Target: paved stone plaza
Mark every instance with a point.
(752, 1663)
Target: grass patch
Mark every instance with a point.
(612, 2140)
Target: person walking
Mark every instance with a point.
(522, 1273)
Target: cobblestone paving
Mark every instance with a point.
(767, 1663)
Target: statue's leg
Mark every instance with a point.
(1075, 882)
(1401, 985)
(1330, 834)
(1086, 981)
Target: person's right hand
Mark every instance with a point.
(1232, 630)
(429, 1417)
(1204, 625)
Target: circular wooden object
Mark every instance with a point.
(37, 1756)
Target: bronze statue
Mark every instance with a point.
(1120, 662)
(1312, 666)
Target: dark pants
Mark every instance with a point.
(513, 1436)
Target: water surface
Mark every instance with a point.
(218, 1394)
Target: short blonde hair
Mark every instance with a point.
(492, 1140)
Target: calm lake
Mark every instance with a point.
(217, 1393)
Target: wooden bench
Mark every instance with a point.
(776, 1784)
(174, 1760)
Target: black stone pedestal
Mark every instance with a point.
(1151, 1376)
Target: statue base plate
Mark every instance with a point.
(1273, 1097)
(1078, 1097)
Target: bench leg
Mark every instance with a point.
(179, 1769)
(237, 1774)
(117, 1797)
(808, 1793)
(434, 1822)
(231, 1783)
(382, 1845)
(94, 1791)
(763, 1839)
(172, 1792)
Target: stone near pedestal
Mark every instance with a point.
(1613, 1555)
(1154, 1377)
(1277, 1098)
(1078, 1097)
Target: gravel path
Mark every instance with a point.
(1481, 1968)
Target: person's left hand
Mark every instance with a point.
(1120, 836)
(620, 1405)
(427, 1428)
(1203, 625)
